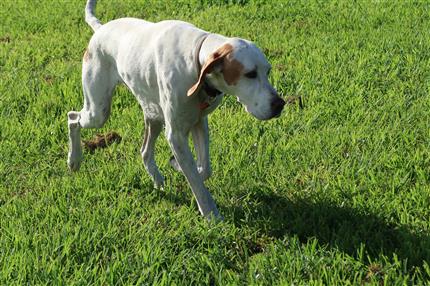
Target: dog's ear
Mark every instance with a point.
(216, 57)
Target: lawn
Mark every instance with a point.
(334, 193)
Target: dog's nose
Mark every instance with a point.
(277, 106)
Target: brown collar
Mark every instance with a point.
(199, 47)
(209, 90)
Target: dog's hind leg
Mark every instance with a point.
(98, 81)
(152, 130)
(74, 157)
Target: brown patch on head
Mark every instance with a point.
(87, 55)
(232, 70)
(221, 52)
(216, 57)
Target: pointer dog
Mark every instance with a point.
(178, 74)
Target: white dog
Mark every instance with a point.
(178, 74)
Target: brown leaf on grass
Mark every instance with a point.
(291, 100)
(374, 272)
(5, 39)
(48, 79)
(258, 245)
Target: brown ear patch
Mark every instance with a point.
(232, 70)
(210, 63)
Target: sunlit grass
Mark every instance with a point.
(335, 193)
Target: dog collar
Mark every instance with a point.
(210, 91)
(199, 47)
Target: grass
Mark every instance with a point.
(336, 193)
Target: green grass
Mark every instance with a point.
(337, 193)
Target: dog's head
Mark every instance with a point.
(239, 68)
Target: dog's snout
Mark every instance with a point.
(278, 103)
(277, 106)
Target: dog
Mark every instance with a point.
(178, 74)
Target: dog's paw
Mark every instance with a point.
(159, 186)
(73, 166)
(74, 161)
(214, 217)
(158, 182)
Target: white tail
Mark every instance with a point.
(90, 18)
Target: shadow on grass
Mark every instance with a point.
(343, 228)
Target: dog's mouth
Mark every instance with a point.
(278, 115)
(276, 106)
(275, 110)
(274, 115)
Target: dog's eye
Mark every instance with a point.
(251, 74)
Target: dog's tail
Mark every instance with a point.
(90, 18)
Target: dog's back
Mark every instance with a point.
(136, 49)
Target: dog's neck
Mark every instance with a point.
(206, 46)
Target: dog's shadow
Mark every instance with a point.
(342, 228)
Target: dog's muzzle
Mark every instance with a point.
(277, 106)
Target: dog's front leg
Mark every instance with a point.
(179, 144)
(200, 133)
